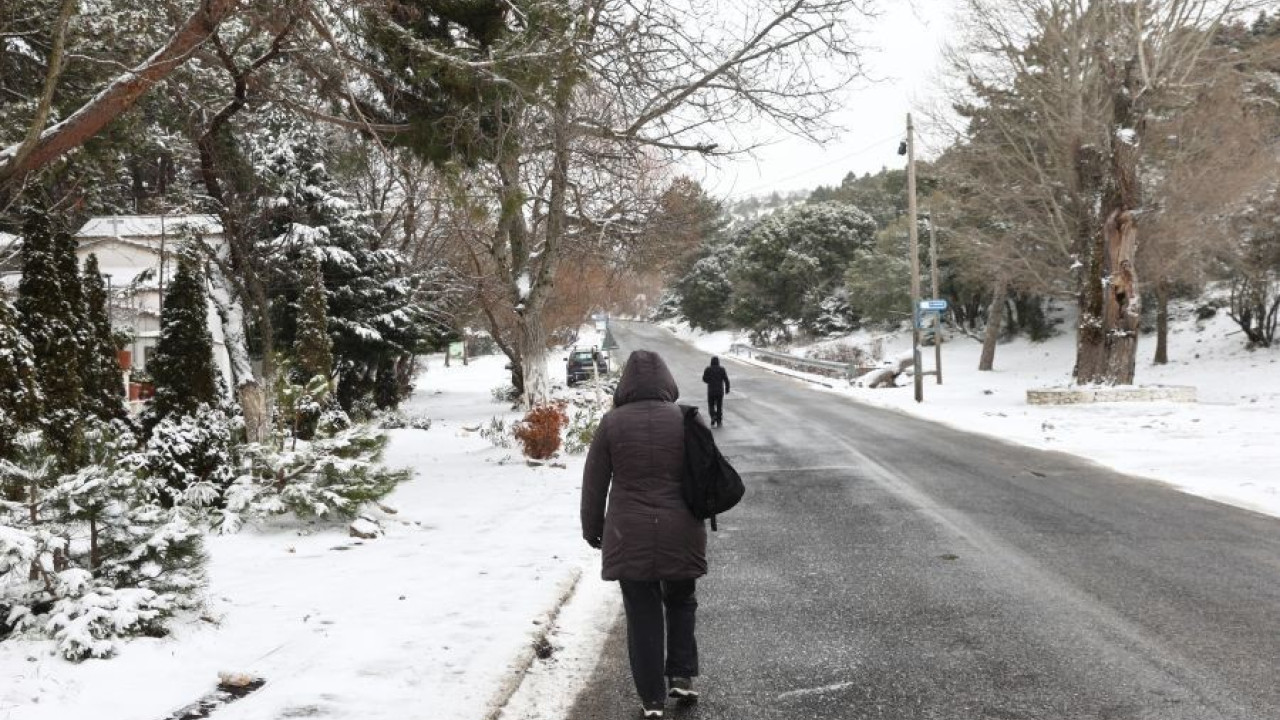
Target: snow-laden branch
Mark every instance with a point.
(117, 97)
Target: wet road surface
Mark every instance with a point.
(885, 567)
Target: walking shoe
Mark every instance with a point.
(682, 689)
(652, 710)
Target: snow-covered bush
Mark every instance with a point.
(303, 401)
(481, 343)
(497, 432)
(840, 352)
(333, 420)
(667, 307)
(396, 420)
(704, 293)
(789, 262)
(91, 556)
(835, 315)
(879, 284)
(86, 621)
(327, 478)
(505, 394)
(582, 428)
(188, 458)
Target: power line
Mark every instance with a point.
(828, 163)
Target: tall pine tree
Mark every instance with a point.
(103, 382)
(20, 400)
(182, 365)
(52, 315)
(313, 346)
(375, 309)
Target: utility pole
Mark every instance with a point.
(933, 270)
(913, 231)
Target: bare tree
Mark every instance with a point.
(569, 102)
(1205, 162)
(1087, 79)
(660, 78)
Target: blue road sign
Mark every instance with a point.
(933, 305)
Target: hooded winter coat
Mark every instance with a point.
(636, 460)
(716, 378)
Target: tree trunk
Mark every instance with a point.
(1115, 305)
(995, 317)
(1123, 308)
(267, 338)
(94, 559)
(248, 390)
(531, 338)
(1162, 323)
(253, 403)
(1090, 334)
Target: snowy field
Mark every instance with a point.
(1226, 446)
(436, 619)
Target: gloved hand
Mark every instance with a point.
(594, 542)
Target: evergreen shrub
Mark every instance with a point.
(496, 432)
(327, 478)
(582, 428)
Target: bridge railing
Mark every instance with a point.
(829, 368)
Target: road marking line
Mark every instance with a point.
(803, 692)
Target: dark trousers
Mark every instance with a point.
(715, 406)
(646, 603)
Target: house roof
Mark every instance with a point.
(149, 225)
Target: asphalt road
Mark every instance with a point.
(886, 567)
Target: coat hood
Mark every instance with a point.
(645, 377)
(715, 362)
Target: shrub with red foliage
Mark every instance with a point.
(539, 431)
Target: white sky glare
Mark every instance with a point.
(905, 66)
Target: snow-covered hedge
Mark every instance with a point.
(324, 478)
(91, 556)
(114, 549)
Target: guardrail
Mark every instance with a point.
(847, 371)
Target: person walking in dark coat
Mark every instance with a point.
(717, 381)
(653, 545)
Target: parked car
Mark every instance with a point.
(585, 364)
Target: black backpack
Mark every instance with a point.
(710, 484)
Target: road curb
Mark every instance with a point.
(524, 661)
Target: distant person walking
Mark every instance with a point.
(653, 545)
(717, 381)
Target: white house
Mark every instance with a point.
(10, 266)
(137, 256)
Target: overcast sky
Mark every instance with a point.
(909, 37)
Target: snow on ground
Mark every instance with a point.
(1223, 447)
(435, 619)
(551, 686)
